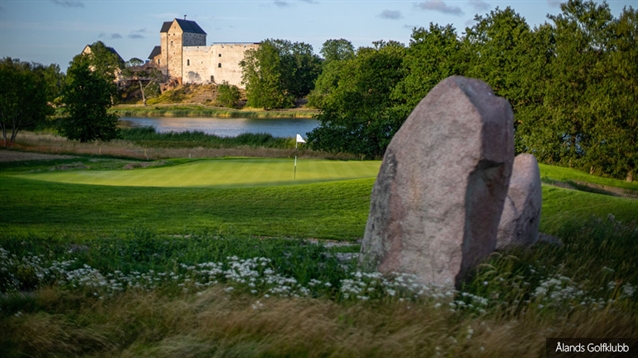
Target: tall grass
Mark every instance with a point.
(148, 137)
(205, 111)
(585, 288)
(54, 144)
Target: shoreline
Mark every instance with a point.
(204, 111)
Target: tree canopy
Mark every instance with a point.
(24, 94)
(87, 96)
(278, 72)
(357, 114)
(102, 60)
(572, 83)
(146, 76)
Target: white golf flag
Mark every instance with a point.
(299, 139)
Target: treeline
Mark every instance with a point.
(31, 93)
(572, 82)
(26, 92)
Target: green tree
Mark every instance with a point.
(335, 53)
(278, 72)
(87, 97)
(434, 54)
(102, 60)
(499, 41)
(301, 67)
(228, 95)
(356, 117)
(513, 60)
(54, 80)
(148, 77)
(337, 50)
(23, 96)
(582, 109)
(617, 152)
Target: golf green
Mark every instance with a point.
(220, 172)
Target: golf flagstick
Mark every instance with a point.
(299, 140)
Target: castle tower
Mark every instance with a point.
(174, 36)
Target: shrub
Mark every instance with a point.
(228, 95)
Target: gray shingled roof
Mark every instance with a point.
(186, 25)
(166, 25)
(156, 51)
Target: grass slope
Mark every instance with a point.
(336, 210)
(552, 173)
(326, 210)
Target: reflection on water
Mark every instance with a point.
(227, 127)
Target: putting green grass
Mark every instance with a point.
(234, 172)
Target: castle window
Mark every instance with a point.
(220, 55)
(188, 62)
(219, 65)
(171, 43)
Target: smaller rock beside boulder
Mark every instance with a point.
(436, 203)
(522, 209)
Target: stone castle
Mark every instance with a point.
(184, 55)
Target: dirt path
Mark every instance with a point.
(14, 156)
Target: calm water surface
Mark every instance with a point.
(228, 127)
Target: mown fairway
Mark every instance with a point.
(235, 196)
(221, 172)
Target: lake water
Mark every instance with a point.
(228, 127)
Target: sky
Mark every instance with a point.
(53, 31)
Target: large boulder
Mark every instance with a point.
(522, 210)
(438, 198)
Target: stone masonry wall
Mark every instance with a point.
(197, 64)
(226, 59)
(174, 52)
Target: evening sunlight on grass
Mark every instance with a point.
(185, 264)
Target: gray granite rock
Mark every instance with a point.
(522, 211)
(438, 198)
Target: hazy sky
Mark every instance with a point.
(53, 31)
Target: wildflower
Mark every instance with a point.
(628, 290)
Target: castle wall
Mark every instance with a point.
(225, 62)
(197, 64)
(162, 58)
(174, 52)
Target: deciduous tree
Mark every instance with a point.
(278, 72)
(433, 55)
(357, 118)
(147, 76)
(87, 97)
(23, 96)
(335, 53)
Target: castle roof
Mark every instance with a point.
(185, 25)
(156, 51)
